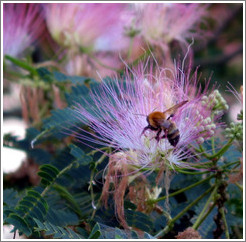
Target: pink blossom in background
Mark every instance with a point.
(104, 64)
(161, 23)
(22, 26)
(120, 109)
(237, 107)
(82, 24)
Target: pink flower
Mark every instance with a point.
(161, 23)
(82, 24)
(104, 63)
(22, 25)
(120, 108)
(236, 108)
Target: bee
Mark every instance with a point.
(161, 121)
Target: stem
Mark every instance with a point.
(200, 217)
(212, 138)
(91, 185)
(181, 190)
(239, 186)
(206, 214)
(94, 210)
(192, 204)
(230, 164)
(136, 61)
(22, 64)
(222, 211)
(91, 188)
(222, 150)
(202, 151)
(130, 49)
(57, 53)
(191, 173)
(51, 184)
(199, 165)
(212, 144)
(61, 173)
(171, 223)
(97, 150)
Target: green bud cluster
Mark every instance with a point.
(205, 127)
(235, 130)
(240, 116)
(215, 102)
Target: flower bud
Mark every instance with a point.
(200, 140)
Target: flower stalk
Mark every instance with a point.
(181, 190)
(201, 216)
(222, 211)
(172, 221)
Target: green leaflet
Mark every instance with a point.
(56, 231)
(10, 197)
(48, 173)
(33, 202)
(64, 193)
(95, 233)
(60, 217)
(61, 78)
(102, 231)
(19, 223)
(24, 65)
(80, 155)
(138, 220)
(32, 205)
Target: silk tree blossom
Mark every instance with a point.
(236, 128)
(120, 108)
(82, 24)
(104, 63)
(161, 23)
(236, 110)
(22, 25)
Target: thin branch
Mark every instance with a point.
(181, 190)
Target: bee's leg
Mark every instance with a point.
(148, 127)
(157, 137)
(170, 116)
(165, 134)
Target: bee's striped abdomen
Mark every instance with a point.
(173, 135)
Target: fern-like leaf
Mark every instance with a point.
(80, 155)
(102, 231)
(64, 193)
(48, 173)
(56, 231)
(19, 223)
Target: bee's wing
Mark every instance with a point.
(174, 108)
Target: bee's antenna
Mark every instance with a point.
(139, 114)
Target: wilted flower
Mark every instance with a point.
(82, 24)
(120, 108)
(189, 233)
(22, 25)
